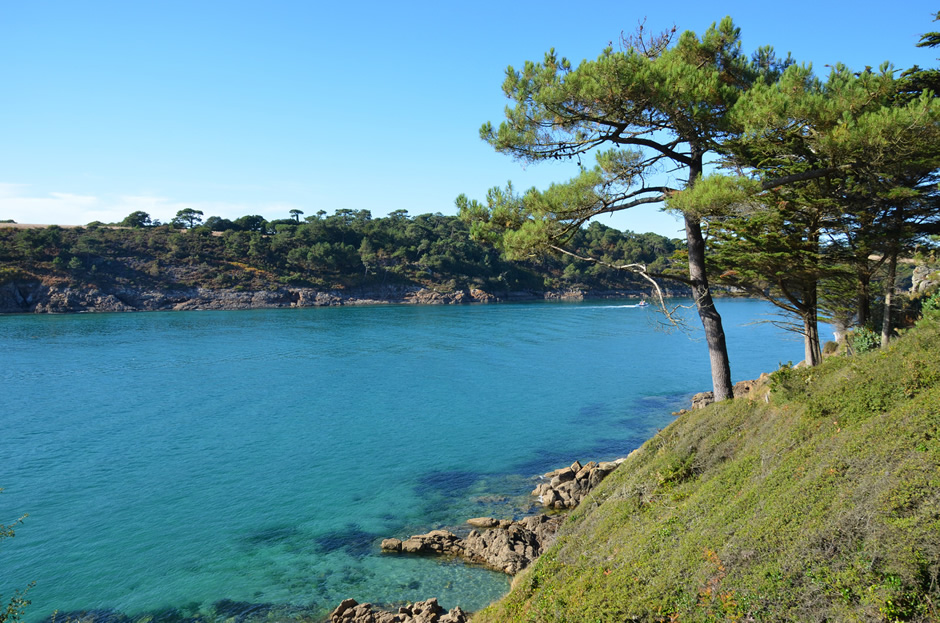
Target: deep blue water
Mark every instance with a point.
(216, 462)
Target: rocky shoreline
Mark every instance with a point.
(509, 545)
(29, 297)
(504, 545)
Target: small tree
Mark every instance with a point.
(187, 218)
(295, 214)
(367, 254)
(252, 222)
(137, 219)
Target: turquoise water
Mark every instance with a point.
(218, 463)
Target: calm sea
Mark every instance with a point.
(224, 464)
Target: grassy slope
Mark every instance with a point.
(823, 505)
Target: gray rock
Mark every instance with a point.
(924, 278)
(702, 400)
(568, 486)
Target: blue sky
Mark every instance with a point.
(243, 107)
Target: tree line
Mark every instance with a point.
(801, 189)
(347, 249)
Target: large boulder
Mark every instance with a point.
(503, 545)
(511, 548)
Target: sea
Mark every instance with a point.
(219, 466)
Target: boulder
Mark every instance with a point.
(702, 400)
(565, 488)
(505, 545)
(391, 545)
(483, 522)
(434, 542)
(513, 547)
(565, 475)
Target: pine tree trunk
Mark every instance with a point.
(886, 324)
(711, 320)
(863, 301)
(811, 349)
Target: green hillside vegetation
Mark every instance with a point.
(820, 504)
(346, 250)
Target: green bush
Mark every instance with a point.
(863, 340)
(931, 305)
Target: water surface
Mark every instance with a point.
(216, 463)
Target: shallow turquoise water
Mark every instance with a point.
(170, 461)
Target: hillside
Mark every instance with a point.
(254, 263)
(818, 501)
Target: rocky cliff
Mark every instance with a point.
(25, 297)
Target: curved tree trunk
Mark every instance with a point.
(711, 320)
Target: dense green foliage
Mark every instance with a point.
(831, 180)
(822, 504)
(842, 179)
(348, 249)
(655, 104)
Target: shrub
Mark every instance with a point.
(863, 340)
(931, 305)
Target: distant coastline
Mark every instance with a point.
(344, 259)
(34, 297)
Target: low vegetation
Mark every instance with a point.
(817, 501)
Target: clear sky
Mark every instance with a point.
(258, 107)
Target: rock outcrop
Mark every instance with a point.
(924, 278)
(34, 296)
(502, 544)
(565, 488)
(350, 611)
(507, 546)
(742, 389)
(512, 548)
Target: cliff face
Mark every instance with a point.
(33, 296)
(36, 297)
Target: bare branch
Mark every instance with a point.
(802, 177)
(637, 269)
